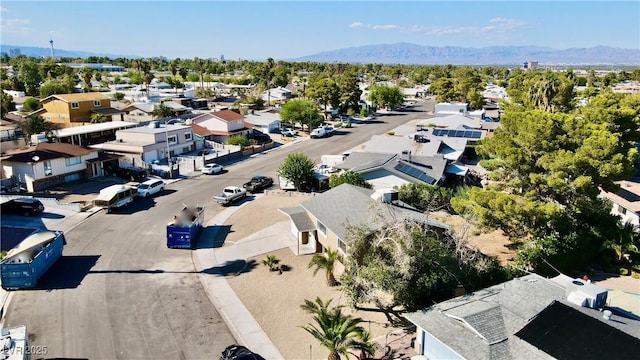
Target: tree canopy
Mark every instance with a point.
(386, 96)
(348, 177)
(297, 168)
(301, 112)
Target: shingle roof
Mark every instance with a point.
(78, 97)
(300, 218)
(48, 151)
(227, 115)
(349, 205)
(483, 325)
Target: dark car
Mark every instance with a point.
(23, 206)
(239, 352)
(258, 183)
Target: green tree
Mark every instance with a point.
(335, 331)
(350, 92)
(297, 168)
(238, 140)
(385, 96)
(444, 90)
(33, 125)
(325, 91)
(31, 104)
(29, 76)
(348, 177)
(163, 111)
(327, 263)
(426, 197)
(86, 74)
(51, 87)
(118, 96)
(7, 103)
(301, 112)
(99, 118)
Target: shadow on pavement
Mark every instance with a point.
(233, 267)
(219, 235)
(67, 273)
(139, 204)
(48, 215)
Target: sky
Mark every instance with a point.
(257, 30)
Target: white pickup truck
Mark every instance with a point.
(230, 194)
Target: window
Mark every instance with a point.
(322, 228)
(47, 168)
(172, 139)
(72, 161)
(622, 210)
(75, 105)
(342, 246)
(96, 103)
(187, 136)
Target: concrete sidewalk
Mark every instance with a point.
(209, 260)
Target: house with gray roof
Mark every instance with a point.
(323, 221)
(386, 171)
(530, 317)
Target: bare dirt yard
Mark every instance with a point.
(492, 243)
(274, 299)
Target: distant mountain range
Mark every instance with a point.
(46, 52)
(406, 53)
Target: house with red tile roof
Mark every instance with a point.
(220, 125)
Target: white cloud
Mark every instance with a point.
(15, 26)
(495, 25)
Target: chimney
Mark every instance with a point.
(406, 155)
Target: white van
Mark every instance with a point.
(150, 187)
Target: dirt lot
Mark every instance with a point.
(274, 299)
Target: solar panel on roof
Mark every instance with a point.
(414, 172)
(476, 135)
(459, 133)
(437, 132)
(468, 133)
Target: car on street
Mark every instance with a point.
(150, 187)
(22, 206)
(212, 168)
(289, 133)
(258, 183)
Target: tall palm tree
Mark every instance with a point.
(335, 331)
(86, 73)
(326, 262)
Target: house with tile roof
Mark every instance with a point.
(46, 164)
(220, 125)
(530, 317)
(68, 110)
(322, 222)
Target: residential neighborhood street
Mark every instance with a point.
(120, 293)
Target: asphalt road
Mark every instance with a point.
(120, 293)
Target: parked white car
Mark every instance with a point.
(150, 187)
(212, 168)
(324, 169)
(289, 133)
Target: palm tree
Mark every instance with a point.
(33, 124)
(271, 261)
(326, 262)
(626, 239)
(86, 73)
(163, 111)
(334, 330)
